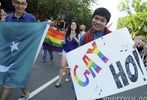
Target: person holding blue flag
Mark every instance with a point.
(20, 15)
(3, 14)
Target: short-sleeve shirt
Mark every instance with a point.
(26, 17)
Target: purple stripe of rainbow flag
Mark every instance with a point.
(53, 48)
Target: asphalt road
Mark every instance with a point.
(44, 75)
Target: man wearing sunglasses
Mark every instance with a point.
(19, 15)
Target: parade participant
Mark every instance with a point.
(71, 42)
(20, 15)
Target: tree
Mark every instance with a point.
(136, 19)
(139, 22)
(7, 5)
(137, 6)
(61, 9)
(57, 9)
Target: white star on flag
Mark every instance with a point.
(14, 46)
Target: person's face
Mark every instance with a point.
(81, 27)
(99, 23)
(3, 15)
(19, 5)
(73, 26)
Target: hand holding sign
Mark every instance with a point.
(102, 70)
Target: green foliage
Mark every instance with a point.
(135, 22)
(124, 6)
(134, 6)
(139, 6)
(138, 20)
(62, 10)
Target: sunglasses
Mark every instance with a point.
(20, 3)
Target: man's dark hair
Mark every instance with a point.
(102, 12)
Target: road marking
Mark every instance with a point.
(35, 92)
(32, 94)
(145, 93)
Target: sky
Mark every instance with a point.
(111, 5)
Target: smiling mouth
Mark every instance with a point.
(97, 26)
(19, 9)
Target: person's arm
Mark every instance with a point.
(145, 50)
(139, 41)
(76, 39)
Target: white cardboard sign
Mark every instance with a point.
(106, 66)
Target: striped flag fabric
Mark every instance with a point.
(53, 39)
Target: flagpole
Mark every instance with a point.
(43, 37)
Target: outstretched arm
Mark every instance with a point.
(139, 41)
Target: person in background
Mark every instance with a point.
(71, 42)
(145, 61)
(45, 49)
(141, 44)
(20, 15)
(3, 15)
(82, 29)
(145, 53)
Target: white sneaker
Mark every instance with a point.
(58, 84)
(67, 80)
(26, 97)
(23, 98)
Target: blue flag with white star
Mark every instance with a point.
(19, 46)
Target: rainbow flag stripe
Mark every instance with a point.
(81, 83)
(95, 50)
(53, 48)
(54, 37)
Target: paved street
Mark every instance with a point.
(44, 75)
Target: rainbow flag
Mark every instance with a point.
(54, 39)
